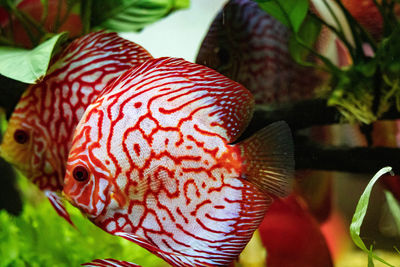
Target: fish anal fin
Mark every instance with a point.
(58, 205)
(110, 263)
(173, 258)
(269, 160)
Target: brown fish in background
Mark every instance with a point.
(251, 47)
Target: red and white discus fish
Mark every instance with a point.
(152, 160)
(40, 130)
(251, 47)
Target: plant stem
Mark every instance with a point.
(66, 15)
(57, 21)
(86, 15)
(6, 41)
(45, 4)
(359, 33)
(29, 24)
(330, 66)
(334, 16)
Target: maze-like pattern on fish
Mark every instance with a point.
(157, 146)
(51, 109)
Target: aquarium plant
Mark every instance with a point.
(361, 88)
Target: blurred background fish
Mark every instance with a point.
(251, 47)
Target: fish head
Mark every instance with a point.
(16, 146)
(251, 47)
(21, 145)
(83, 189)
(26, 145)
(88, 182)
(225, 48)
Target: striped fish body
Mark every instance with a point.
(40, 130)
(251, 47)
(152, 161)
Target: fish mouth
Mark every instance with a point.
(4, 155)
(101, 208)
(92, 209)
(85, 210)
(66, 196)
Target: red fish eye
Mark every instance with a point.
(80, 173)
(21, 136)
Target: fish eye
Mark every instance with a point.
(80, 173)
(21, 136)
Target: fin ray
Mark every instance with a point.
(269, 159)
(58, 205)
(173, 258)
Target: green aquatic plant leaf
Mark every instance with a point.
(394, 207)
(290, 12)
(131, 15)
(359, 215)
(370, 257)
(29, 66)
(367, 89)
(353, 95)
(39, 237)
(308, 33)
(388, 53)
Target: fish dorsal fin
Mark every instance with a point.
(173, 87)
(109, 47)
(58, 205)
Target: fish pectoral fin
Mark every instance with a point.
(173, 258)
(110, 263)
(57, 203)
(269, 159)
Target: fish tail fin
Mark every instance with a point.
(269, 159)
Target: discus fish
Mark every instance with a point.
(40, 130)
(153, 161)
(251, 47)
